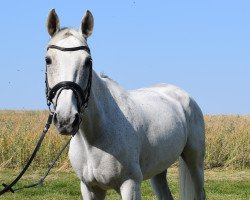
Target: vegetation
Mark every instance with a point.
(227, 140)
(19, 132)
(227, 143)
(219, 185)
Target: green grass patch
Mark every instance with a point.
(219, 185)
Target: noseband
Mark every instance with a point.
(81, 95)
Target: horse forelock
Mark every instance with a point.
(66, 33)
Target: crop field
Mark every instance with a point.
(227, 140)
(227, 158)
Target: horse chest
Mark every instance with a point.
(102, 169)
(103, 165)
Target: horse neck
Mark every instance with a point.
(94, 115)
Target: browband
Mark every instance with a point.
(81, 95)
(85, 48)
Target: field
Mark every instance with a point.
(227, 158)
(219, 185)
(227, 140)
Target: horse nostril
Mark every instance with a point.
(76, 120)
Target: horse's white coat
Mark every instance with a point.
(127, 136)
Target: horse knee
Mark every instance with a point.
(130, 190)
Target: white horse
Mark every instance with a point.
(124, 137)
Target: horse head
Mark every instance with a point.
(68, 71)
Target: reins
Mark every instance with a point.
(82, 97)
(8, 188)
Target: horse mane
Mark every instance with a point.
(109, 81)
(103, 75)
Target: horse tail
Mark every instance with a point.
(187, 191)
(191, 161)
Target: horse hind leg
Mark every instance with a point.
(160, 186)
(192, 157)
(192, 168)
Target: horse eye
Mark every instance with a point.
(88, 62)
(48, 60)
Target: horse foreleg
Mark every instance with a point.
(130, 190)
(160, 186)
(92, 193)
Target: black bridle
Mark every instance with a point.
(82, 96)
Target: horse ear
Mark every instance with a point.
(53, 25)
(87, 24)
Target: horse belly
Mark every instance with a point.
(162, 146)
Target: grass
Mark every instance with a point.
(219, 185)
(227, 140)
(19, 132)
(227, 148)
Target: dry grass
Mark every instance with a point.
(227, 140)
(19, 132)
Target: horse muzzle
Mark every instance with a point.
(67, 125)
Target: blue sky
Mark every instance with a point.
(200, 46)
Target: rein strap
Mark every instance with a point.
(8, 188)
